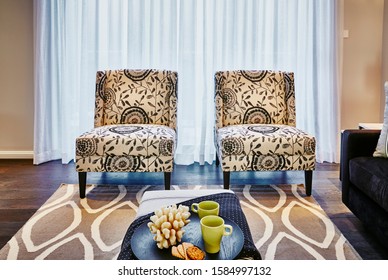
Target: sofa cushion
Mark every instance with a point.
(253, 97)
(370, 175)
(263, 139)
(265, 147)
(126, 148)
(133, 139)
(136, 96)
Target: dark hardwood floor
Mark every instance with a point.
(24, 187)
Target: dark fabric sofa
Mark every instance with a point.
(365, 181)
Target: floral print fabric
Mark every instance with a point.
(265, 147)
(251, 97)
(136, 96)
(255, 123)
(135, 123)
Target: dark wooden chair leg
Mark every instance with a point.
(226, 180)
(308, 178)
(82, 184)
(167, 180)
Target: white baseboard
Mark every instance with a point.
(16, 154)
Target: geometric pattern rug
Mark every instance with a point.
(285, 224)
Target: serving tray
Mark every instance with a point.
(144, 247)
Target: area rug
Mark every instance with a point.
(285, 224)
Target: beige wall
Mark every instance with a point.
(384, 59)
(363, 71)
(16, 78)
(362, 62)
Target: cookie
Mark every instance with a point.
(187, 245)
(195, 253)
(187, 251)
(175, 253)
(182, 251)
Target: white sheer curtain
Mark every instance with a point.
(76, 38)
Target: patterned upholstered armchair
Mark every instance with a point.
(134, 125)
(255, 125)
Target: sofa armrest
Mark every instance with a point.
(355, 143)
(358, 142)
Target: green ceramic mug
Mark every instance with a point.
(213, 228)
(205, 208)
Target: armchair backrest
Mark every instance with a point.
(250, 97)
(136, 96)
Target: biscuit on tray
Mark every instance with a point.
(194, 253)
(187, 251)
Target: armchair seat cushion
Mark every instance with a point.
(370, 175)
(126, 148)
(265, 147)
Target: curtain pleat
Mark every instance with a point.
(74, 39)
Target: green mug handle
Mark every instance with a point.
(194, 207)
(229, 231)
